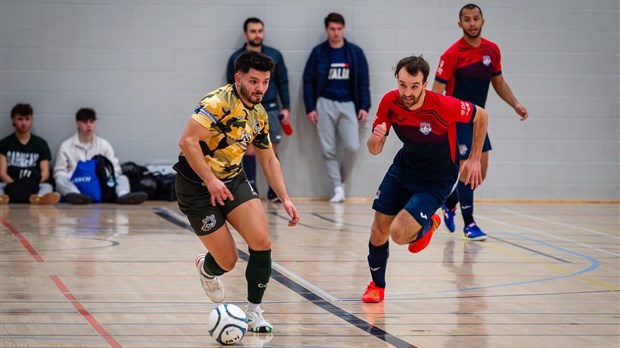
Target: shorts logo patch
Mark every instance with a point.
(462, 149)
(377, 194)
(208, 223)
(425, 128)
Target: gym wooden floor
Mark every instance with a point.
(118, 276)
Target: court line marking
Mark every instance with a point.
(304, 292)
(557, 237)
(63, 288)
(180, 220)
(22, 240)
(85, 313)
(594, 264)
(559, 223)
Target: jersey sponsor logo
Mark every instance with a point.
(486, 60)
(423, 216)
(425, 128)
(465, 108)
(440, 67)
(208, 222)
(262, 286)
(466, 207)
(462, 149)
(374, 269)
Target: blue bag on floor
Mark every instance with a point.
(85, 178)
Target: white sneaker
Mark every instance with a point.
(213, 287)
(256, 322)
(338, 196)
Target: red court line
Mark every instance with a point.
(85, 313)
(23, 240)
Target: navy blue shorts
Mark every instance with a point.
(465, 135)
(397, 192)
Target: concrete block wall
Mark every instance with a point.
(144, 64)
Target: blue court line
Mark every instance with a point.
(310, 296)
(594, 264)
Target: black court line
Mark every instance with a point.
(309, 295)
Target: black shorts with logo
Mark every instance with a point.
(194, 201)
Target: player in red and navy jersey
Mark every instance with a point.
(465, 72)
(424, 170)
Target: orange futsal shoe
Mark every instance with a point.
(373, 294)
(423, 242)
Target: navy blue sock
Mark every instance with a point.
(452, 199)
(468, 219)
(466, 197)
(249, 166)
(377, 262)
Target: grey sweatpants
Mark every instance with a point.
(337, 124)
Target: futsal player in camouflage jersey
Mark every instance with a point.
(212, 188)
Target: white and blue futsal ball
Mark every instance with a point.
(227, 324)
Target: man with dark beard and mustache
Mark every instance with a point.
(253, 31)
(424, 170)
(465, 71)
(212, 187)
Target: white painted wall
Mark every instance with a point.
(144, 64)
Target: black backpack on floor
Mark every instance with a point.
(107, 180)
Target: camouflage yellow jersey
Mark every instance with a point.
(233, 127)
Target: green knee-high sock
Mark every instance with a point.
(257, 273)
(211, 268)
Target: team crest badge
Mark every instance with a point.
(245, 137)
(425, 128)
(486, 60)
(208, 222)
(377, 194)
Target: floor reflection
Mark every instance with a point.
(470, 315)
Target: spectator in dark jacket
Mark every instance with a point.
(337, 97)
(253, 31)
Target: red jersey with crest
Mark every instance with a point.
(467, 70)
(428, 134)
